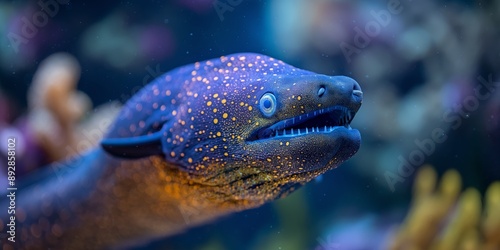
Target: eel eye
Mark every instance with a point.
(267, 104)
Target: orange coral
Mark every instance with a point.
(55, 105)
(57, 108)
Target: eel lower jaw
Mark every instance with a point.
(324, 121)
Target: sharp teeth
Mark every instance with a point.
(344, 119)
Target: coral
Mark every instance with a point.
(491, 222)
(54, 104)
(60, 121)
(441, 218)
(57, 109)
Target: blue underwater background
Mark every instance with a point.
(429, 71)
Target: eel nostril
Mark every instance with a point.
(356, 89)
(321, 91)
(355, 86)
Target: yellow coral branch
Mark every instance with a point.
(440, 220)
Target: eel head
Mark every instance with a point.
(252, 126)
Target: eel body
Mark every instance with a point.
(201, 141)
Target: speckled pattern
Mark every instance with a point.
(209, 118)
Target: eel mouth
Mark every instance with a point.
(324, 120)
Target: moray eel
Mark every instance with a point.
(201, 141)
